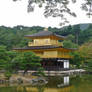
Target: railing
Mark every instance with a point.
(37, 44)
(55, 68)
(41, 44)
(51, 56)
(56, 43)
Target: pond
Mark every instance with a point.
(74, 83)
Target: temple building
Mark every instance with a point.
(49, 47)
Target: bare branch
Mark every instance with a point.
(58, 8)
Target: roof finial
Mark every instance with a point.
(45, 29)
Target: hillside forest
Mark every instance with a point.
(77, 36)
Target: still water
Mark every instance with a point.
(75, 83)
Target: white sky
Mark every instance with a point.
(15, 13)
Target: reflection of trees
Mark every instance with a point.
(21, 89)
(8, 89)
(41, 88)
(30, 89)
(24, 89)
(82, 83)
(54, 81)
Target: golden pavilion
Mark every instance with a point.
(49, 47)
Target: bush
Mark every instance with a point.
(41, 72)
(7, 75)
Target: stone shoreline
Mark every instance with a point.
(29, 78)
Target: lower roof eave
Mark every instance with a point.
(45, 48)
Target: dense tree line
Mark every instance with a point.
(12, 62)
(14, 37)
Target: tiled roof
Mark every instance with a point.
(36, 47)
(44, 33)
(42, 47)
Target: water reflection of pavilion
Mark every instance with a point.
(63, 87)
(65, 82)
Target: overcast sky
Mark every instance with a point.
(12, 14)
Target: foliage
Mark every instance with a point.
(83, 56)
(13, 61)
(86, 50)
(4, 58)
(54, 8)
(40, 71)
(26, 61)
(77, 59)
(59, 8)
(69, 44)
(88, 65)
(87, 7)
(71, 37)
(77, 30)
(7, 74)
(14, 37)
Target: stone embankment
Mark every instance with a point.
(30, 80)
(56, 73)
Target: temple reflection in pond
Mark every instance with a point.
(75, 83)
(62, 86)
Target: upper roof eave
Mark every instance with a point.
(45, 34)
